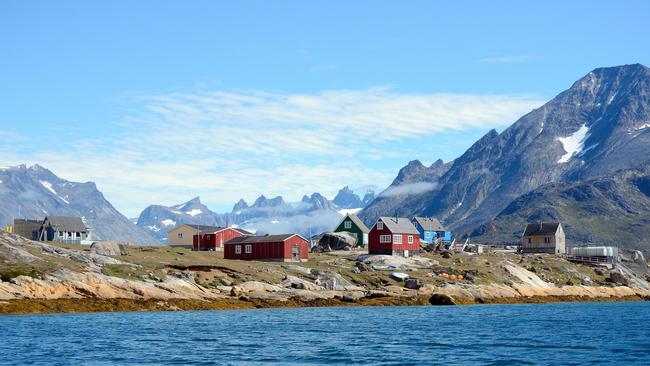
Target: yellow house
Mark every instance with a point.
(181, 235)
(544, 237)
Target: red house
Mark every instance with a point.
(214, 238)
(283, 248)
(394, 236)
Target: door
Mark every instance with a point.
(295, 254)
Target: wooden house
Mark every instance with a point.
(543, 237)
(431, 230)
(394, 236)
(282, 248)
(26, 228)
(213, 240)
(64, 229)
(352, 224)
(182, 236)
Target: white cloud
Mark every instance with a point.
(409, 189)
(224, 145)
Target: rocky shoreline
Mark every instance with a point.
(45, 278)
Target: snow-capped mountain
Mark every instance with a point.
(313, 214)
(597, 127)
(35, 192)
(346, 198)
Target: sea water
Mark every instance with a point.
(553, 334)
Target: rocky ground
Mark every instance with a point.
(39, 277)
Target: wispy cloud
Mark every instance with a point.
(228, 144)
(507, 59)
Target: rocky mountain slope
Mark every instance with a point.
(613, 210)
(35, 192)
(597, 127)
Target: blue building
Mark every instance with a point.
(431, 230)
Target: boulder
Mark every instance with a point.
(413, 284)
(331, 280)
(363, 267)
(618, 278)
(253, 286)
(441, 299)
(300, 284)
(109, 248)
(335, 241)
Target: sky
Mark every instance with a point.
(161, 101)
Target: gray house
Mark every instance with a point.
(64, 229)
(544, 237)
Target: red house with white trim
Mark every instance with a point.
(215, 238)
(283, 248)
(394, 236)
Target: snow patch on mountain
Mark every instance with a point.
(346, 211)
(574, 143)
(168, 222)
(194, 212)
(48, 186)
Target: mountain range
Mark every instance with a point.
(313, 214)
(35, 192)
(596, 130)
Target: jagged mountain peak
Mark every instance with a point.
(599, 125)
(240, 205)
(36, 192)
(263, 201)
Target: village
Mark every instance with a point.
(389, 236)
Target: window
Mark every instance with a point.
(179, 235)
(237, 249)
(207, 237)
(249, 249)
(529, 241)
(410, 239)
(347, 224)
(397, 239)
(384, 238)
(380, 225)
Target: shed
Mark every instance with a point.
(214, 239)
(27, 228)
(543, 237)
(64, 229)
(431, 229)
(182, 236)
(352, 224)
(394, 236)
(283, 248)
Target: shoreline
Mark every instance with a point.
(94, 305)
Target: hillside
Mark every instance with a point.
(35, 192)
(602, 211)
(49, 277)
(600, 125)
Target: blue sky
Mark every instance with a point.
(158, 102)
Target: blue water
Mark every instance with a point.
(558, 334)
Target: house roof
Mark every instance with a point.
(201, 228)
(429, 224)
(357, 221)
(399, 225)
(215, 229)
(541, 228)
(65, 223)
(261, 239)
